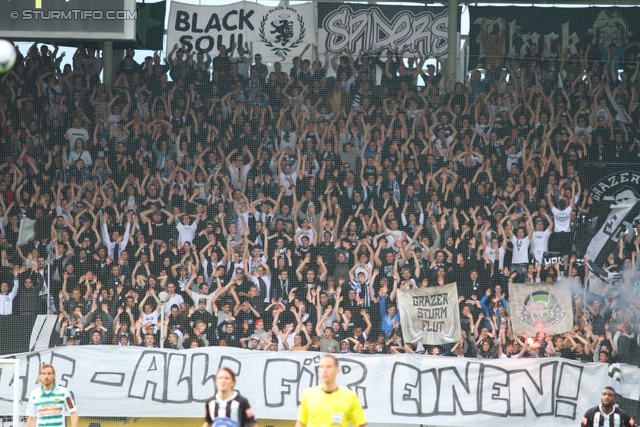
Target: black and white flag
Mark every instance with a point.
(621, 218)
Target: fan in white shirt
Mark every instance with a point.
(187, 229)
(540, 239)
(149, 317)
(521, 240)
(494, 251)
(561, 238)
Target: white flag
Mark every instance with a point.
(277, 33)
(430, 315)
(26, 233)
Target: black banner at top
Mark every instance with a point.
(509, 31)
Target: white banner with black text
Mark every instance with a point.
(406, 389)
(280, 32)
(365, 27)
(430, 315)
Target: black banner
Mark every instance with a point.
(150, 25)
(356, 27)
(511, 30)
(604, 180)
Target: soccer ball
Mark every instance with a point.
(7, 56)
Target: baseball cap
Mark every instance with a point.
(345, 340)
(202, 300)
(258, 321)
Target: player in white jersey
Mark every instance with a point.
(50, 403)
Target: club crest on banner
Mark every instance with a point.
(541, 311)
(614, 188)
(610, 27)
(282, 29)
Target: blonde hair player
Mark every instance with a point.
(228, 407)
(50, 403)
(329, 404)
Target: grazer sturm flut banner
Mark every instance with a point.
(541, 307)
(399, 389)
(281, 31)
(516, 28)
(356, 27)
(430, 315)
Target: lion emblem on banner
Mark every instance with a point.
(283, 24)
(284, 29)
(541, 311)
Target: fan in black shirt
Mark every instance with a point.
(159, 228)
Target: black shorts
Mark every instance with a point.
(560, 242)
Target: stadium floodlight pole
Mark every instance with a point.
(163, 297)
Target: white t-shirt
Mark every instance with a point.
(196, 298)
(562, 219)
(75, 133)
(289, 341)
(186, 233)
(361, 269)
(151, 318)
(512, 159)
(394, 235)
(520, 250)
(176, 299)
(244, 63)
(513, 356)
(443, 145)
(82, 155)
(491, 253)
(287, 180)
(540, 244)
(288, 139)
(309, 233)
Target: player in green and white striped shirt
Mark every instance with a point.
(50, 403)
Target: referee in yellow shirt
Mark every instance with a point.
(329, 405)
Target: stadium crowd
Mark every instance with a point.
(282, 210)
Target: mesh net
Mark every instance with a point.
(291, 209)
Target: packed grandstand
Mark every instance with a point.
(285, 209)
